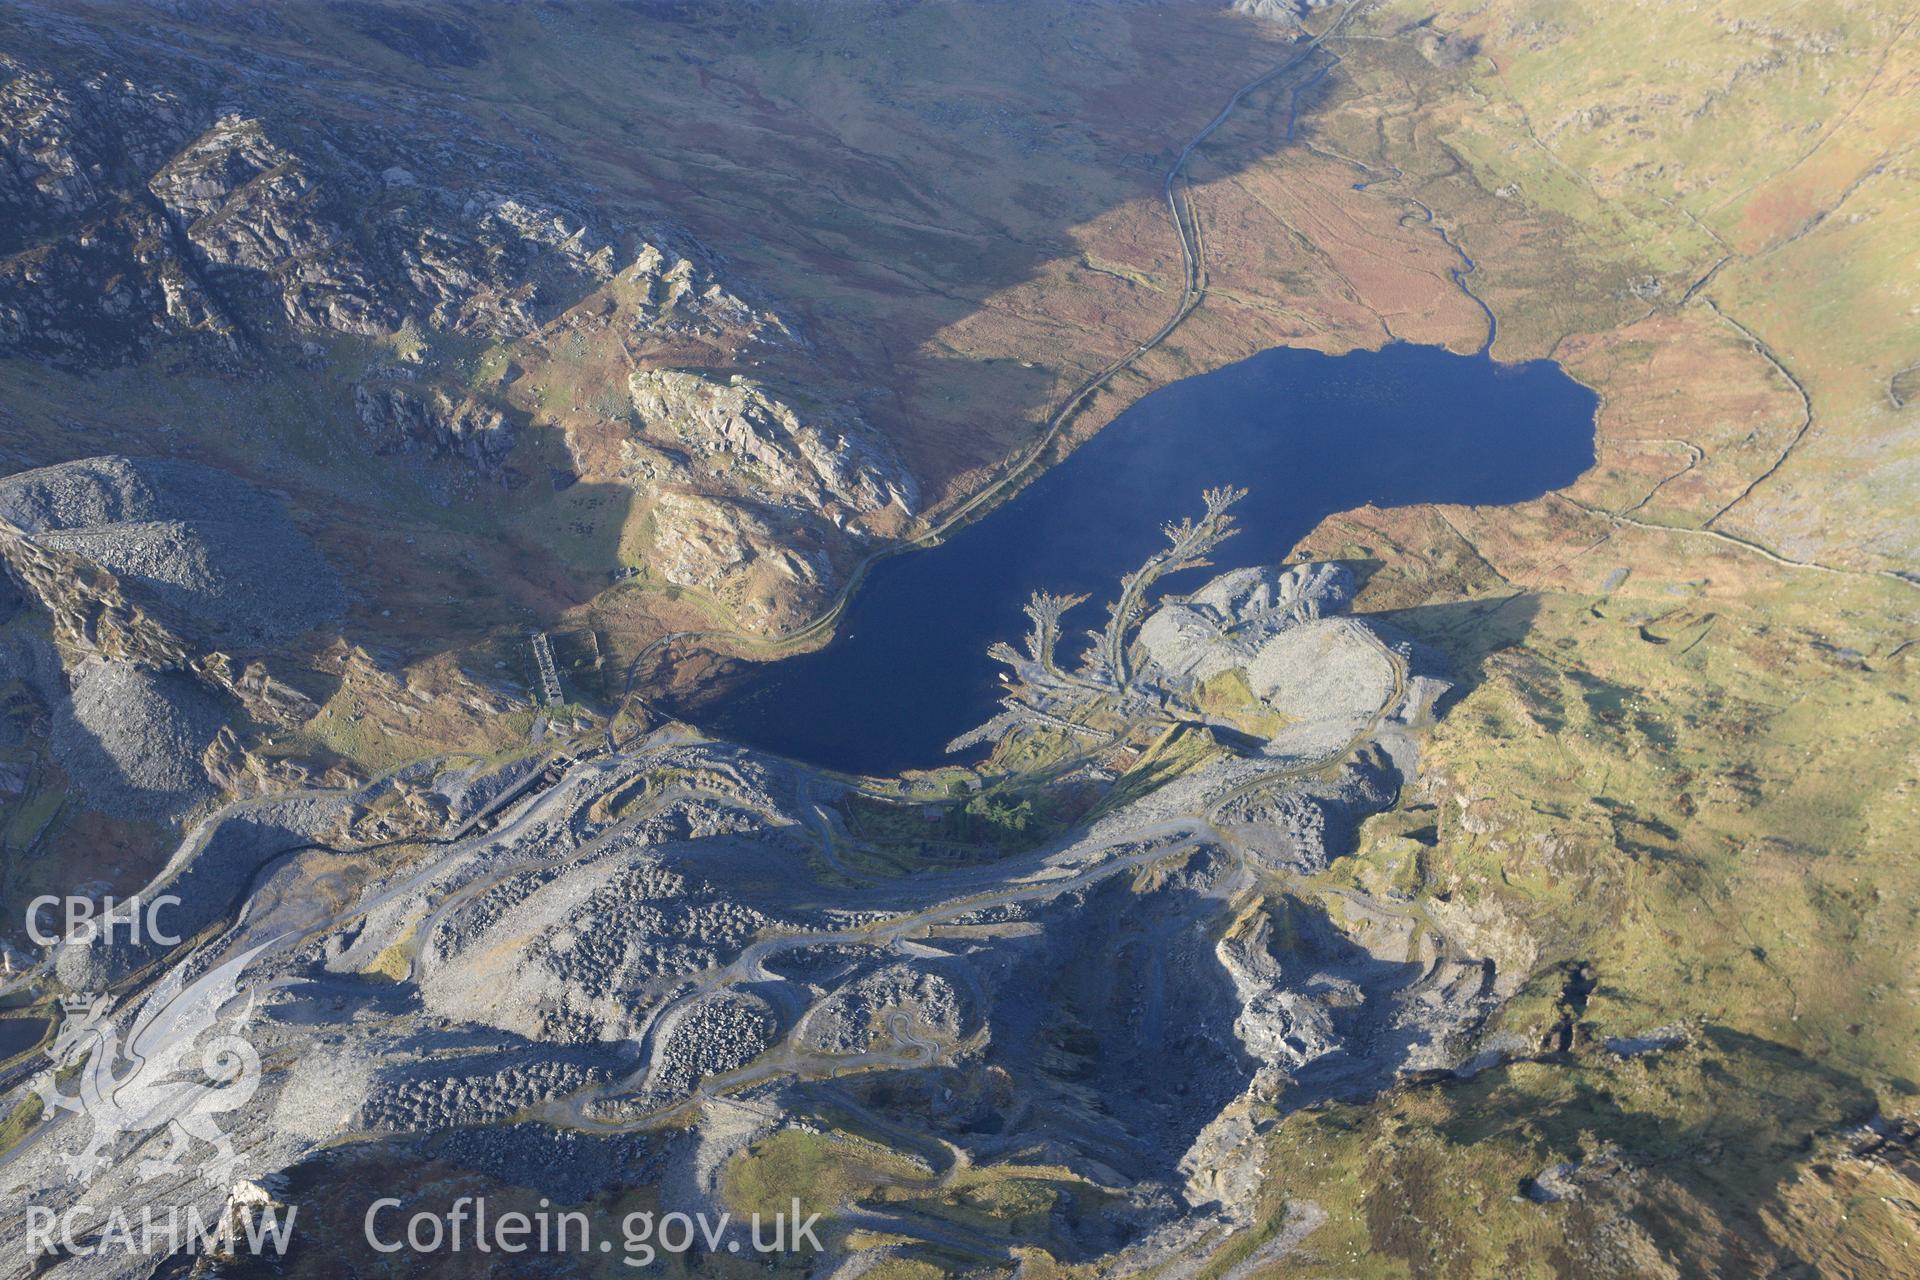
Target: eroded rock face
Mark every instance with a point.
(1284, 12)
(755, 499)
(69, 145)
(223, 230)
(133, 216)
(336, 245)
(90, 269)
(767, 450)
(750, 559)
(408, 419)
(244, 203)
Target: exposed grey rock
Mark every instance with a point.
(1553, 1183)
(1326, 676)
(213, 867)
(468, 790)
(849, 1020)
(565, 1166)
(245, 203)
(766, 450)
(1448, 50)
(151, 220)
(1227, 622)
(1133, 1001)
(741, 554)
(213, 554)
(712, 1036)
(1646, 1042)
(68, 143)
(475, 1089)
(1286, 12)
(130, 740)
(427, 420)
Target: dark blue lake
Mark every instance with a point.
(17, 1035)
(1307, 435)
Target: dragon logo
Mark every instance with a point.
(144, 1081)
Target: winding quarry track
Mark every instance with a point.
(1041, 875)
(922, 903)
(1046, 874)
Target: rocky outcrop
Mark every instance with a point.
(1285, 12)
(108, 290)
(244, 203)
(132, 216)
(70, 146)
(427, 420)
(89, 267)
(333, 245)
(89, 612)
(681, 294)
(763, 448)
(754, 497)
(748, 559)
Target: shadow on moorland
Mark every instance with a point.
(1464, 635)
(1734, 1124)
(884, 197)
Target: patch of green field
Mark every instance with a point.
(1716, 822)
(1227, 696)
(1013, 1202)
(1680, 1159)
(393, 963)
(962, 827)
(823, 1171)
(20, 1121)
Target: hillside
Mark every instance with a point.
(343, 346)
